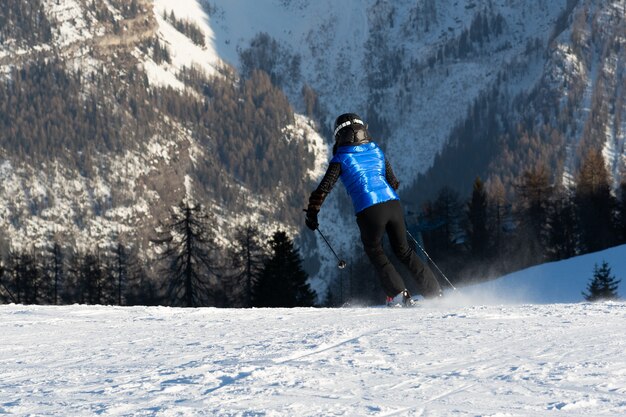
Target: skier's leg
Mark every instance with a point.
(372, 223)
(427, 284)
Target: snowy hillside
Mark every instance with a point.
(555, 282)
(436, 360)
(125, 192)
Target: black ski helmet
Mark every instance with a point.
(350, 128)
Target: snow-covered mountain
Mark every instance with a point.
(411, 69)
(551, 71)
(379, 59)
(112, 49)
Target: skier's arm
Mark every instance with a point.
(326, 185)
(390, 176)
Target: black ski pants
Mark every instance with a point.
(388, 217)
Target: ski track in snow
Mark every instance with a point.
(435, 360)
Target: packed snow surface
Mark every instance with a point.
(449, 358)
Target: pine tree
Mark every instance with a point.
(621, 216)
(595, 203)
(603, 285)
(94, 273)
(54, 271)
(562, 226)
(5, 293)
(188, 248)
(477, 216)
(90, 279)
(24, 281)
(496, 214)
(14, 277)
(440, 222)
(535, 192)
(121, 271)
(247, 259)
(449, 210)
(283, 282)
(31, 278)
(141, 289)
(71, 294)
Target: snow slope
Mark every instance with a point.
(436, 360)
(554, 282)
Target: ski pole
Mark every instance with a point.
(342, 263)
(431, 260)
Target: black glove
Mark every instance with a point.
(311, 219)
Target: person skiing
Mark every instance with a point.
(369, 180)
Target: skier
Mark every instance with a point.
(371, 183)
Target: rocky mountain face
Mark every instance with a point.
(114, 111)
(575, 104)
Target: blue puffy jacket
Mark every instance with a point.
(363, 175)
